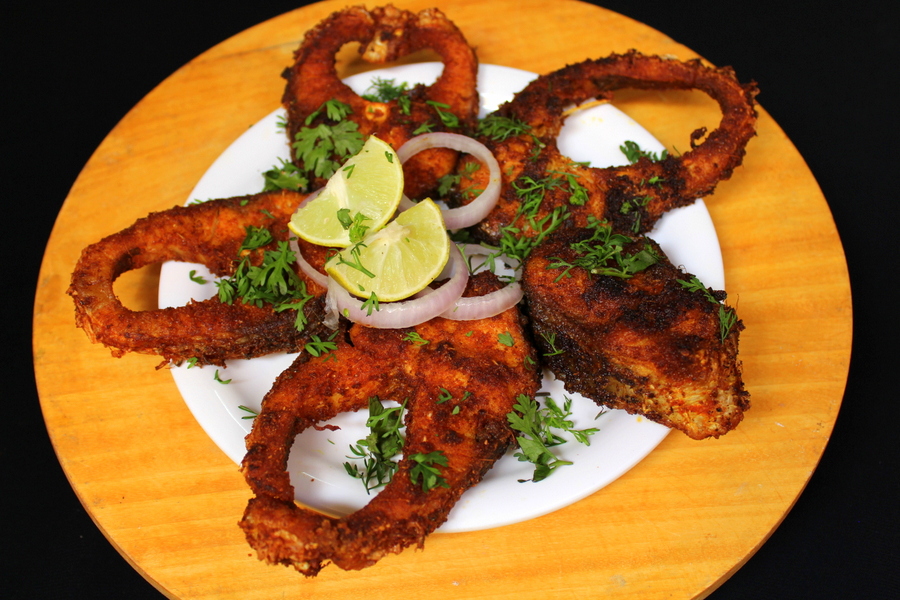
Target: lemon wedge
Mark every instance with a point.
(368, 187)
(397, 261)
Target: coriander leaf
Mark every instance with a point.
(253, 414)
(538, 428)
(384, 90)
(415, 338)
(447, 118)
(323, 148)
(377, 450)
(550, 338)
(425, 469)
(634, 153)
(727, 315)
(319, 347)
(272, 282)
(603, 253)
(506, 339)
(285, 176)
(499, 128)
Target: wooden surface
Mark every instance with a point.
(675, 526)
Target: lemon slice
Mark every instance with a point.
(397, 261)
(369, 183)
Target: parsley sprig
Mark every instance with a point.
(385, 90)
(272, 282)
(426, 469)
(323, 148)
(285, 176)
(539, 427)
(633, 153)
(603, 253)
(500, 128)
(727, 315)
(377, 450)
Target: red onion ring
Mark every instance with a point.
(307, 268)
(477, 209)
(489, 305)
(406, 313)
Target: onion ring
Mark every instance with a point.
(478, 209)
(406, 313)
(488, 305)
(307, 268)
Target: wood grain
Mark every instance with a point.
(675, 526)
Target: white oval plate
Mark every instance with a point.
(687, 235)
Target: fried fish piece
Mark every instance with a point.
(653, 342)
(459, 380)
(210, 332)
(543, 189)
(386, 34)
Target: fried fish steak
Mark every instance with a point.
(208, 331)
(647, 344)
(543, 189)
(385, 34)
(459, 381)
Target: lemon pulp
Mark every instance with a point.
(368, 184)
(397, 261)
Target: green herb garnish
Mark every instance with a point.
(538, 427)
(727, 315)
(634, 153)
(253, 414)
(604, 254)
(426, 470)
(370, 304)
(323, 148)
(415, 338)
(506, 339)
(634, 206)
(385, 90)
(500, 128)
(377, 450)
(447, 118)
(318, 347)
(550, 338)
(353, 224)
(285, 176)
(273, 282)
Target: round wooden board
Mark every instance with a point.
(675, 526)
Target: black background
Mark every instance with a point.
(828, 77)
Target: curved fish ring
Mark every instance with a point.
(386, 34)
(633, 197)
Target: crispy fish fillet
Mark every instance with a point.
(386, 34)
(210, 331)
(466, 359)
(646, 344)
(543, 188)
